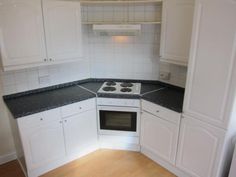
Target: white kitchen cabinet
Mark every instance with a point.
(32, 35)
(210, 71)
(63, 29)
(21, 33)
(200, 148)
(42, 138)
(159, 132)
(80, 131)
(58, 136)
(176, 30)
(159, 136)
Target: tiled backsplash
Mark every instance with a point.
(177, 73)
(28, 79)
(133, 57)
(121, 13)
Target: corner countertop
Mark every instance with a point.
(30, 102)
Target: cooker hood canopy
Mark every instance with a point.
(117, 30)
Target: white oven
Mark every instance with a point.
(118, 116)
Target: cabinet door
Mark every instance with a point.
(80, 132)
(63, 29)
(43, 144)
(159, 136)
(177, 20)
(213, 51)
(21, 32)
(199, 149)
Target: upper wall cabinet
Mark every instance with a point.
(21, 32)
(23, 24)
(177, 19)
(212, 58)
(63, 29)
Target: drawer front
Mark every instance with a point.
(161, 112)
(40, 118)
(79, 107)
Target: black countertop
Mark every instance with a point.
(42, 101)
(30, 102)
(167, 97)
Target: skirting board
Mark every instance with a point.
(7, 158)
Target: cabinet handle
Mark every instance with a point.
(50, 59)
(157, 111)
(41, 119)
(80, 107)
(45, 59)
(65, 120)
(60, 122)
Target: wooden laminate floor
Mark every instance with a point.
(101, 163)
(11, 169)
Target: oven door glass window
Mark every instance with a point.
(113, 120)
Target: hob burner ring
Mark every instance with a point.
(126, 84)
(125, 90)
(109, 89)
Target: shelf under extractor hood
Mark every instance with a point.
(117, 30)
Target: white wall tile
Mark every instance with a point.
(9, 89)
(177, 73)
(8, 78)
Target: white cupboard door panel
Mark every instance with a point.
(80, 131)
(63, 29)
(199, 148)
(159, 136)
(177, 20)
(21, 32)
(43, 144)
(212, 56)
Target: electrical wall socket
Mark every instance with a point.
(164, 75)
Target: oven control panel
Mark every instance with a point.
(118, 102)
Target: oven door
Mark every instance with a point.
(118, 120)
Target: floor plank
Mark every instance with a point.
(101, 163)
(11, 169)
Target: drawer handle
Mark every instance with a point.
(80, 107)
(157, 111)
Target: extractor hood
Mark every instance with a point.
(117, 30)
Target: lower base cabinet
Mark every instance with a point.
(58, 136)
(43, 144)
(159, 136)
(80, 132)
(200, 148)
